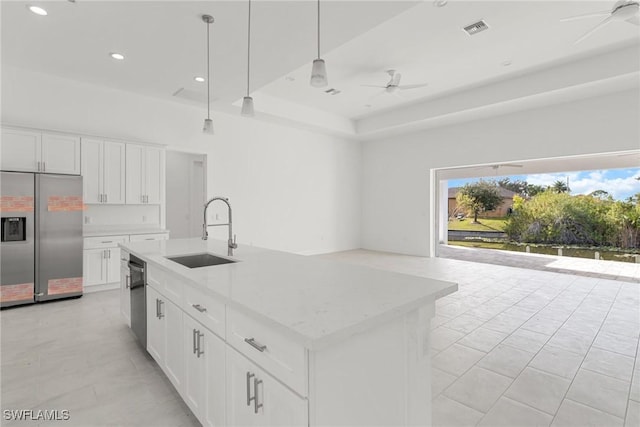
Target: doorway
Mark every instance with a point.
(186, 193)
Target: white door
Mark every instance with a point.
(153, 176)
(113, 265)
(174, 350)
(194, 370)
(61, 154)
(214, 355)
(114, 172)
(134, 174)
(155, 325)
(94, 267)
(20, 150)
(92, 167)
(125, 293)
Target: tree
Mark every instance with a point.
(560, 187)
(478, 197)
(523, 188)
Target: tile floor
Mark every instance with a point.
(516, 347)
(512, 347)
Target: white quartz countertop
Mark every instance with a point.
(315, 301)
(114, 231)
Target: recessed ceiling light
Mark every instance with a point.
(440, 3)
(117, 56)
(38, 10)
(199, 79)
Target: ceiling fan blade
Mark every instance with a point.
(594, 29)
(586, 15)
(404, 87)
(379, 87)
(635, 20)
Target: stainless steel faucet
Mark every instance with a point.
(231, 243)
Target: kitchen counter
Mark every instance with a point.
(119, 230)
(316, 302)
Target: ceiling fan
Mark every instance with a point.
(623, 10)
(394, 86)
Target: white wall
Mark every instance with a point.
(290, 189)
(396, 171)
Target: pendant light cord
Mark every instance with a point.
(248, 47)
(318, 29)
(208, 76)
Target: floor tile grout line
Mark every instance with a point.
(585, 356)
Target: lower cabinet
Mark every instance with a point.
(164, 336)
(254, 398)
(204, 382)
(125, 292)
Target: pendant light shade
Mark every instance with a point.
(247, 106)
(318, 73)
(247, 101)
(207, 128)
(319, 69)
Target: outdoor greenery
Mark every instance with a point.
(558, 218)
(483, 224)
(545, 218)
(479, 197)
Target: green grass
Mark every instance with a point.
(486, 224)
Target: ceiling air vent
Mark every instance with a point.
(476, 27)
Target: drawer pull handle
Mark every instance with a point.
(252, 342)
(198, 307)
(107, 241)
(256, 405)
(249, 398)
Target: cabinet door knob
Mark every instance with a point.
(253, 343)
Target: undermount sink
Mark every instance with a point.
(200, 260)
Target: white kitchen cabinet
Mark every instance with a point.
(103, 171)
(60, 154)
(34, 151)
(145, 174)
(143, 237)
(101, 260)
(257, 399)
(125, 283)
(156, 326)
(204, 381)
(174, 352)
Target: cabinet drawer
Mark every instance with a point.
(156, 278)
(282, 357)
(104, 241)
(205, 309)
(143, 237)
(173, 289)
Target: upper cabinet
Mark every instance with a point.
(103, 171)
(145, 174)
(34, 151)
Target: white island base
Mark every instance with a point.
(278, 339)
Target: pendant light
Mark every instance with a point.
(318, 70)
(208, 123)
(247, 101)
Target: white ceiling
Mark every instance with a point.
(164, 44)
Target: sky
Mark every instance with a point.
(619, 183)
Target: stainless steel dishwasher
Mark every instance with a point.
(138, 272)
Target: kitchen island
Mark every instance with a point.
(280, 339)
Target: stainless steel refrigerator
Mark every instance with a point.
(41, 246)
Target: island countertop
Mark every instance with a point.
(315, 301)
